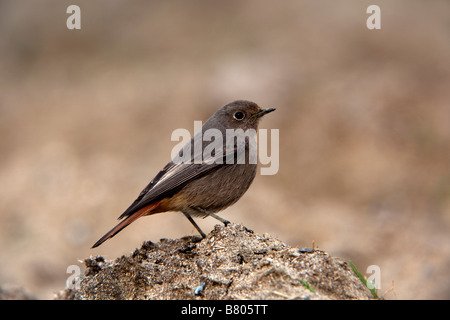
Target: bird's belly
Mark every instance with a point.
(219, 189)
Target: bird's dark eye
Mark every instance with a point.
(238, 115)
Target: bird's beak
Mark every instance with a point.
(264, 111)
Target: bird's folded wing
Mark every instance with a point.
(173, 177)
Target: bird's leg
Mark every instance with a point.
(225, 222)
(188, 216)
(215, 216)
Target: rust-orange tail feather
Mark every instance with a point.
(131, 218)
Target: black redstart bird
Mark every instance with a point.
(197, 186)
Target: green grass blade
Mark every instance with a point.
(361, 277)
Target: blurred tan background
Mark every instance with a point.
(364, 117)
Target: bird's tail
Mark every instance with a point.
(131, 218)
